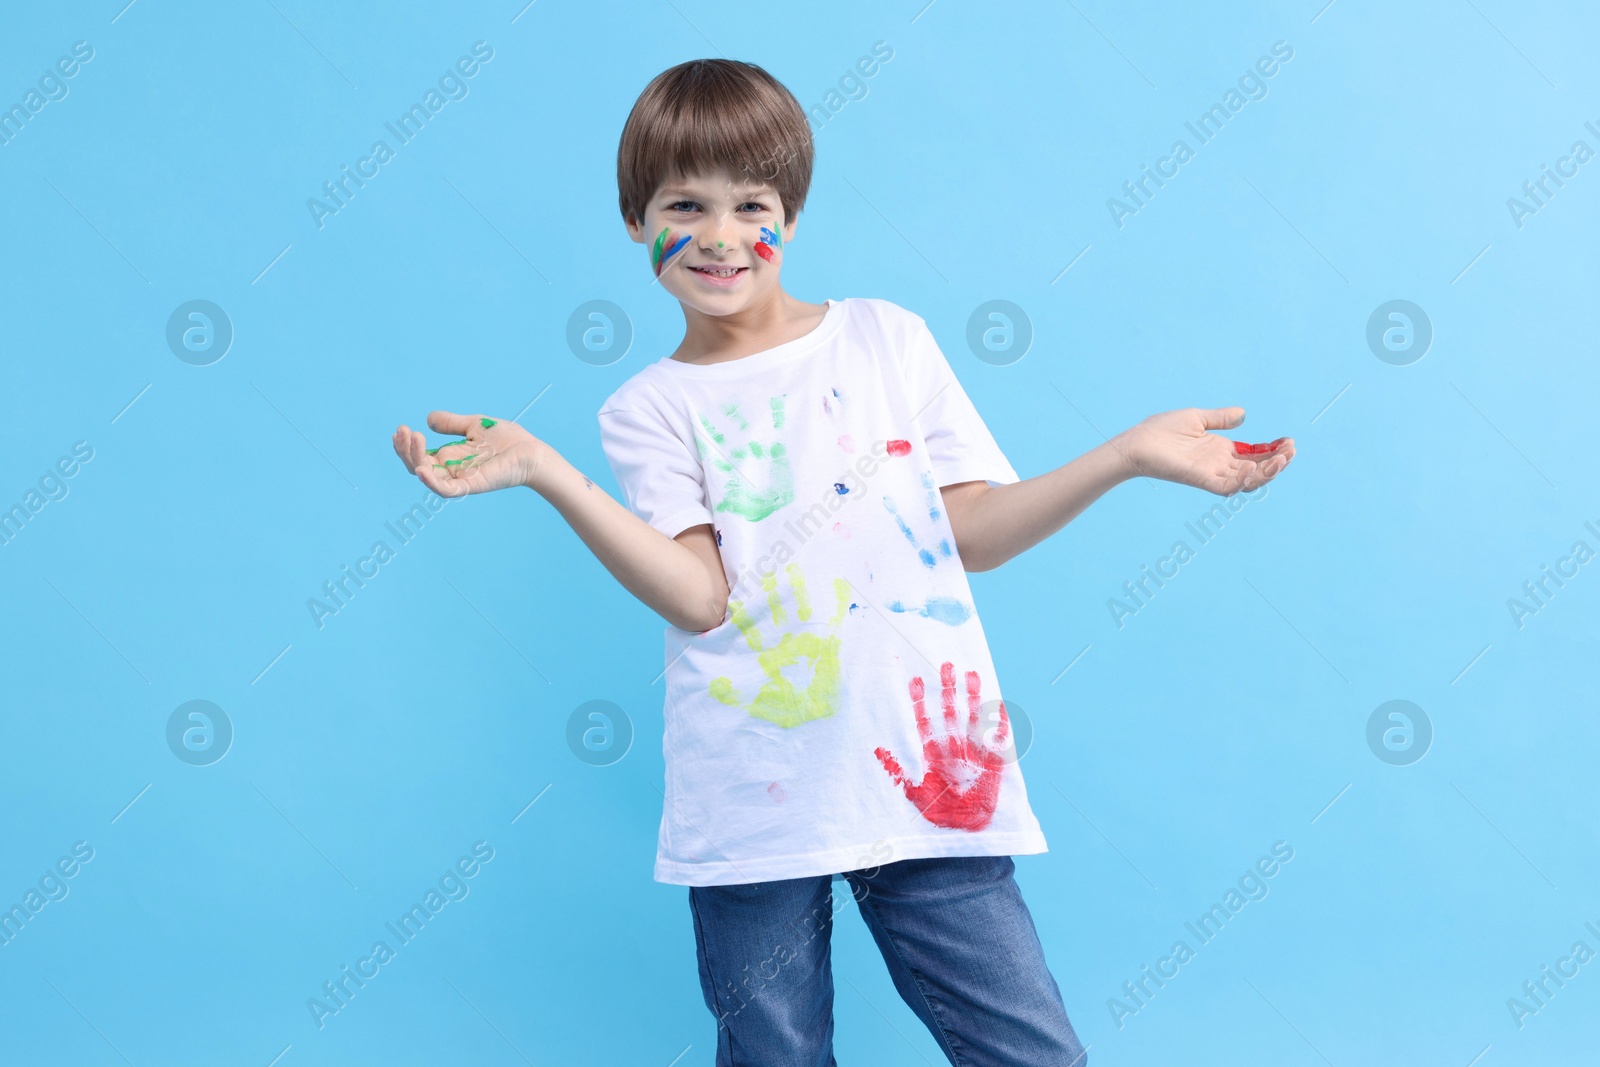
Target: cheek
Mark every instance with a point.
(764, 250)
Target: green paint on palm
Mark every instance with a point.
(463, 459)
(779, 700)
(447, 444)
(741, 494)
(486, 423)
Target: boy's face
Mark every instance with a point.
(715, 243)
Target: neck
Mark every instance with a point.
(764, 323)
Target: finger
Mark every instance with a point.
(450, 422)
(417, 450)
(897, 773)
(440, 482)
(1222, 418)
(1002, 732)
(405, 446)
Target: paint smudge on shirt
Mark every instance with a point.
(847, 442)
(945, 609)
(775, 791)
(842, 530)
(960, 786)
(839, 487)
(899, 448)
(748, 465)
(779, 699)
(927, 557)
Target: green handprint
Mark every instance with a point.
(778, 700)
(740, 495)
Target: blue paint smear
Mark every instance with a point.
(838, 487)
(945, 609)
(675, 249)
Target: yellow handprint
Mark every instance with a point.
(778, 700)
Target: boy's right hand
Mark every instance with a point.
(497, 454)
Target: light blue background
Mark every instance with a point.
(1225, 716)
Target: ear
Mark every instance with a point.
(788, 228)
(635, 230)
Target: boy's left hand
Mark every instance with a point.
(1176, 447)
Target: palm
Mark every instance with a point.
(494, 456)
(1176, 446)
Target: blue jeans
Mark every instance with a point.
(954, 931)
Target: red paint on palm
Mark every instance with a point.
(961, 785)
(1243, 449)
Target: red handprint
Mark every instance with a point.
(961, 785)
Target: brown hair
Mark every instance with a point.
(714, 114)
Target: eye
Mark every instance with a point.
(682, 205)
(755, 204)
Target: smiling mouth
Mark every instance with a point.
(719, 272)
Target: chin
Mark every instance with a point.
(719, 304)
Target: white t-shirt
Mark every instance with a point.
(793, 744)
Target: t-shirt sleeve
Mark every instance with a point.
(657, 470)
(960, 446)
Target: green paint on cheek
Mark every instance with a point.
(655, 251)
(487, 423)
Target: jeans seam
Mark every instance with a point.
(949, 1039)
(716, 996)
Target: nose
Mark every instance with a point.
(719, 234)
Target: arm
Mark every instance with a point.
(994, 523)
(680, 578)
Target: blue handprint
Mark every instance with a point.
(927, 557)
(946, 609)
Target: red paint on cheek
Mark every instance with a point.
(899, 448)
(1242, 449)
(764, 251)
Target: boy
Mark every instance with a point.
(808, 485)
